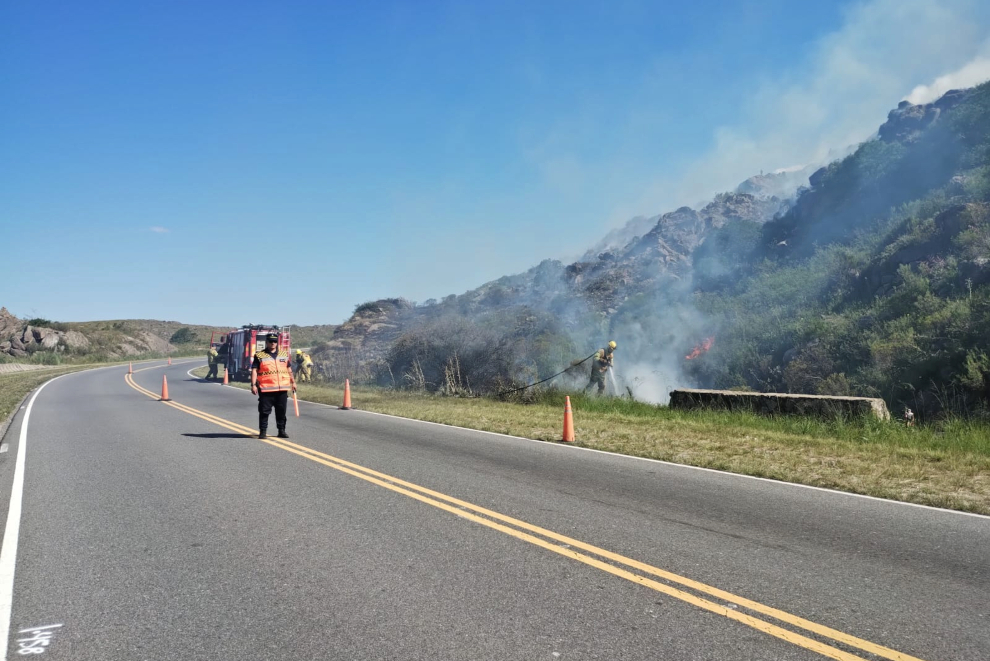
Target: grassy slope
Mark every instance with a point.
(945, 466)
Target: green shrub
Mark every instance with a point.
(184, 335)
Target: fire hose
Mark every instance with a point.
(506, 392)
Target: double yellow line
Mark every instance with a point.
(606, 561)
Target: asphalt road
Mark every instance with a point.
(147, 530)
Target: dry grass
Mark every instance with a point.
(918, 466)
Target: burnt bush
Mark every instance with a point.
(456, 355)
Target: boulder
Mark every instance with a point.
(47, 337)
(10, 325)
(17, 344)
(75, 340)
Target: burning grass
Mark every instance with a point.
(947, 465)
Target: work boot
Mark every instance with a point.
(282, 434)
(263, 433)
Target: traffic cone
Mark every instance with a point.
(347, 395)
(225, 381)
(170, 360)
(164, 390)
(295, 402)
(568, 422)
(130, 368)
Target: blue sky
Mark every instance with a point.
(234, 162)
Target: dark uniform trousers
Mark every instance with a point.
(266, 400)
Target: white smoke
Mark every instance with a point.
(851, 80)
(973, 73)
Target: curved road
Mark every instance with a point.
(150, 530)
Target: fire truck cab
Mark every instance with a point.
(237, 347)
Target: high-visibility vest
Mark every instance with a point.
(273, 373)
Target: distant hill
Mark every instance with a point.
(43, 340)
(46, 341)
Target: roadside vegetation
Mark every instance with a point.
(53, 359)
(14, 385)
(944, 464)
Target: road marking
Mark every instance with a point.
(4, 447)
(501, 523)
(38, 642)
(568, 447)
(8, 554)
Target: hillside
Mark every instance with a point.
(877, 281)
(874, 280)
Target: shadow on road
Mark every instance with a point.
(218, 436)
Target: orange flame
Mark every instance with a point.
(701, 348)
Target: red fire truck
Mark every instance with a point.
(236, 348)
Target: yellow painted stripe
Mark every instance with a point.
(458, 508)
(174, 363)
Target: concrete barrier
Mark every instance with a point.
(773, 403)
(6, 368)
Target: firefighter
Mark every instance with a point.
(601, 363)
(213, 358)
(271, 381)
(304, 366)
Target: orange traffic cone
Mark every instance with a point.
(164, 390)
(347, 395)
(295, 402)
(225, 380)
(130, 368)
(170, 360)
(568, 422)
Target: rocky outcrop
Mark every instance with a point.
(906, 122)
(9, 324)
(362, 341)
(20, 339)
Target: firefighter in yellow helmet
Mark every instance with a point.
(601, 363)
(304, 366)
(213, 358)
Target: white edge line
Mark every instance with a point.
(676, 465)
(563, 446)
(8, 554)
